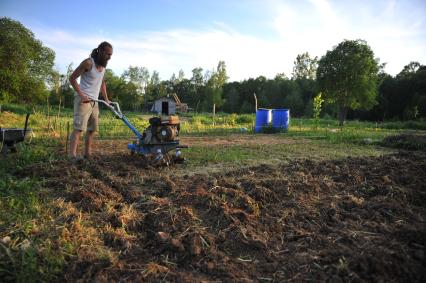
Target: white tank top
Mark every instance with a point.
(91, 81)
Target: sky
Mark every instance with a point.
(253, 37)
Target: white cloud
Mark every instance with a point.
(168, 52)
(315, 26)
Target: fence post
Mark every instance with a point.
(214, 112)
(68, 134)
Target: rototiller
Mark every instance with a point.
(157, 141)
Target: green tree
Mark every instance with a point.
(221, 76)
(66, 90)
(124, 92)
(154, 89)
(139, 76)
(186, 92)
(25, 64)
(173, 79)
(197, 77)
(348, 77)
(305, 67)
(181, 75)
(409, 70)
(232, 100)
(294, 102)
(281, 77)
(55, 82)
(213, 93)
(247, 107)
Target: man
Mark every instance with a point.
(86, 112)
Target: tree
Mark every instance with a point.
(124, 92)
(173, 79)
(25, 64)
(186, 92)
(213, 92)
(55, 81)
(67, 90)
(348, 77)
(305, 67)
(293, 100)
(222, 77)
(281, 76)
(409, 70)
(139, 76)
(155, 88)
(181, 75)
(232, 100)
(197, 77)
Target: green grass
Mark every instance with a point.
(27, 257)
(238, 155)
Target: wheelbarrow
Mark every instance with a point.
(9, 137)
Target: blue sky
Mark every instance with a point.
(253, 37)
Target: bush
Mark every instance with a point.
(245, 119)
(15, 108)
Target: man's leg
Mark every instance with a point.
(81, 115)
(88, 145)
(75, 140)
(92, 127)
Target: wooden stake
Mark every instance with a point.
(68, 134)
(214, 112)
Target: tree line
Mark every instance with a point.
(351, 80)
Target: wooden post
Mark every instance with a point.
(214, 112)
(49, 125)
(68, 134)
(255, 102)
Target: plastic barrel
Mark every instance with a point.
(263, 118)
(280, 119)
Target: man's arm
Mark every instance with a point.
(84, 67)
(104, 92)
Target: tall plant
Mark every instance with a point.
(318, 101)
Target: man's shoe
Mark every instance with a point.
(88, 158)
(76, 159)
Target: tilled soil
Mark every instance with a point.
(406, 141)
(356, 219)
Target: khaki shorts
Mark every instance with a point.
(86, 115)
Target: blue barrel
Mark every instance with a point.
(280, 118)
(263, 118)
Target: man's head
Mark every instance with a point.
(102, 54)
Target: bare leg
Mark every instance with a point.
(89, 142)
(75, 140)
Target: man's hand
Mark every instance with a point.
(84, 98)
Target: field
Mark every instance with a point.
(318, 203)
